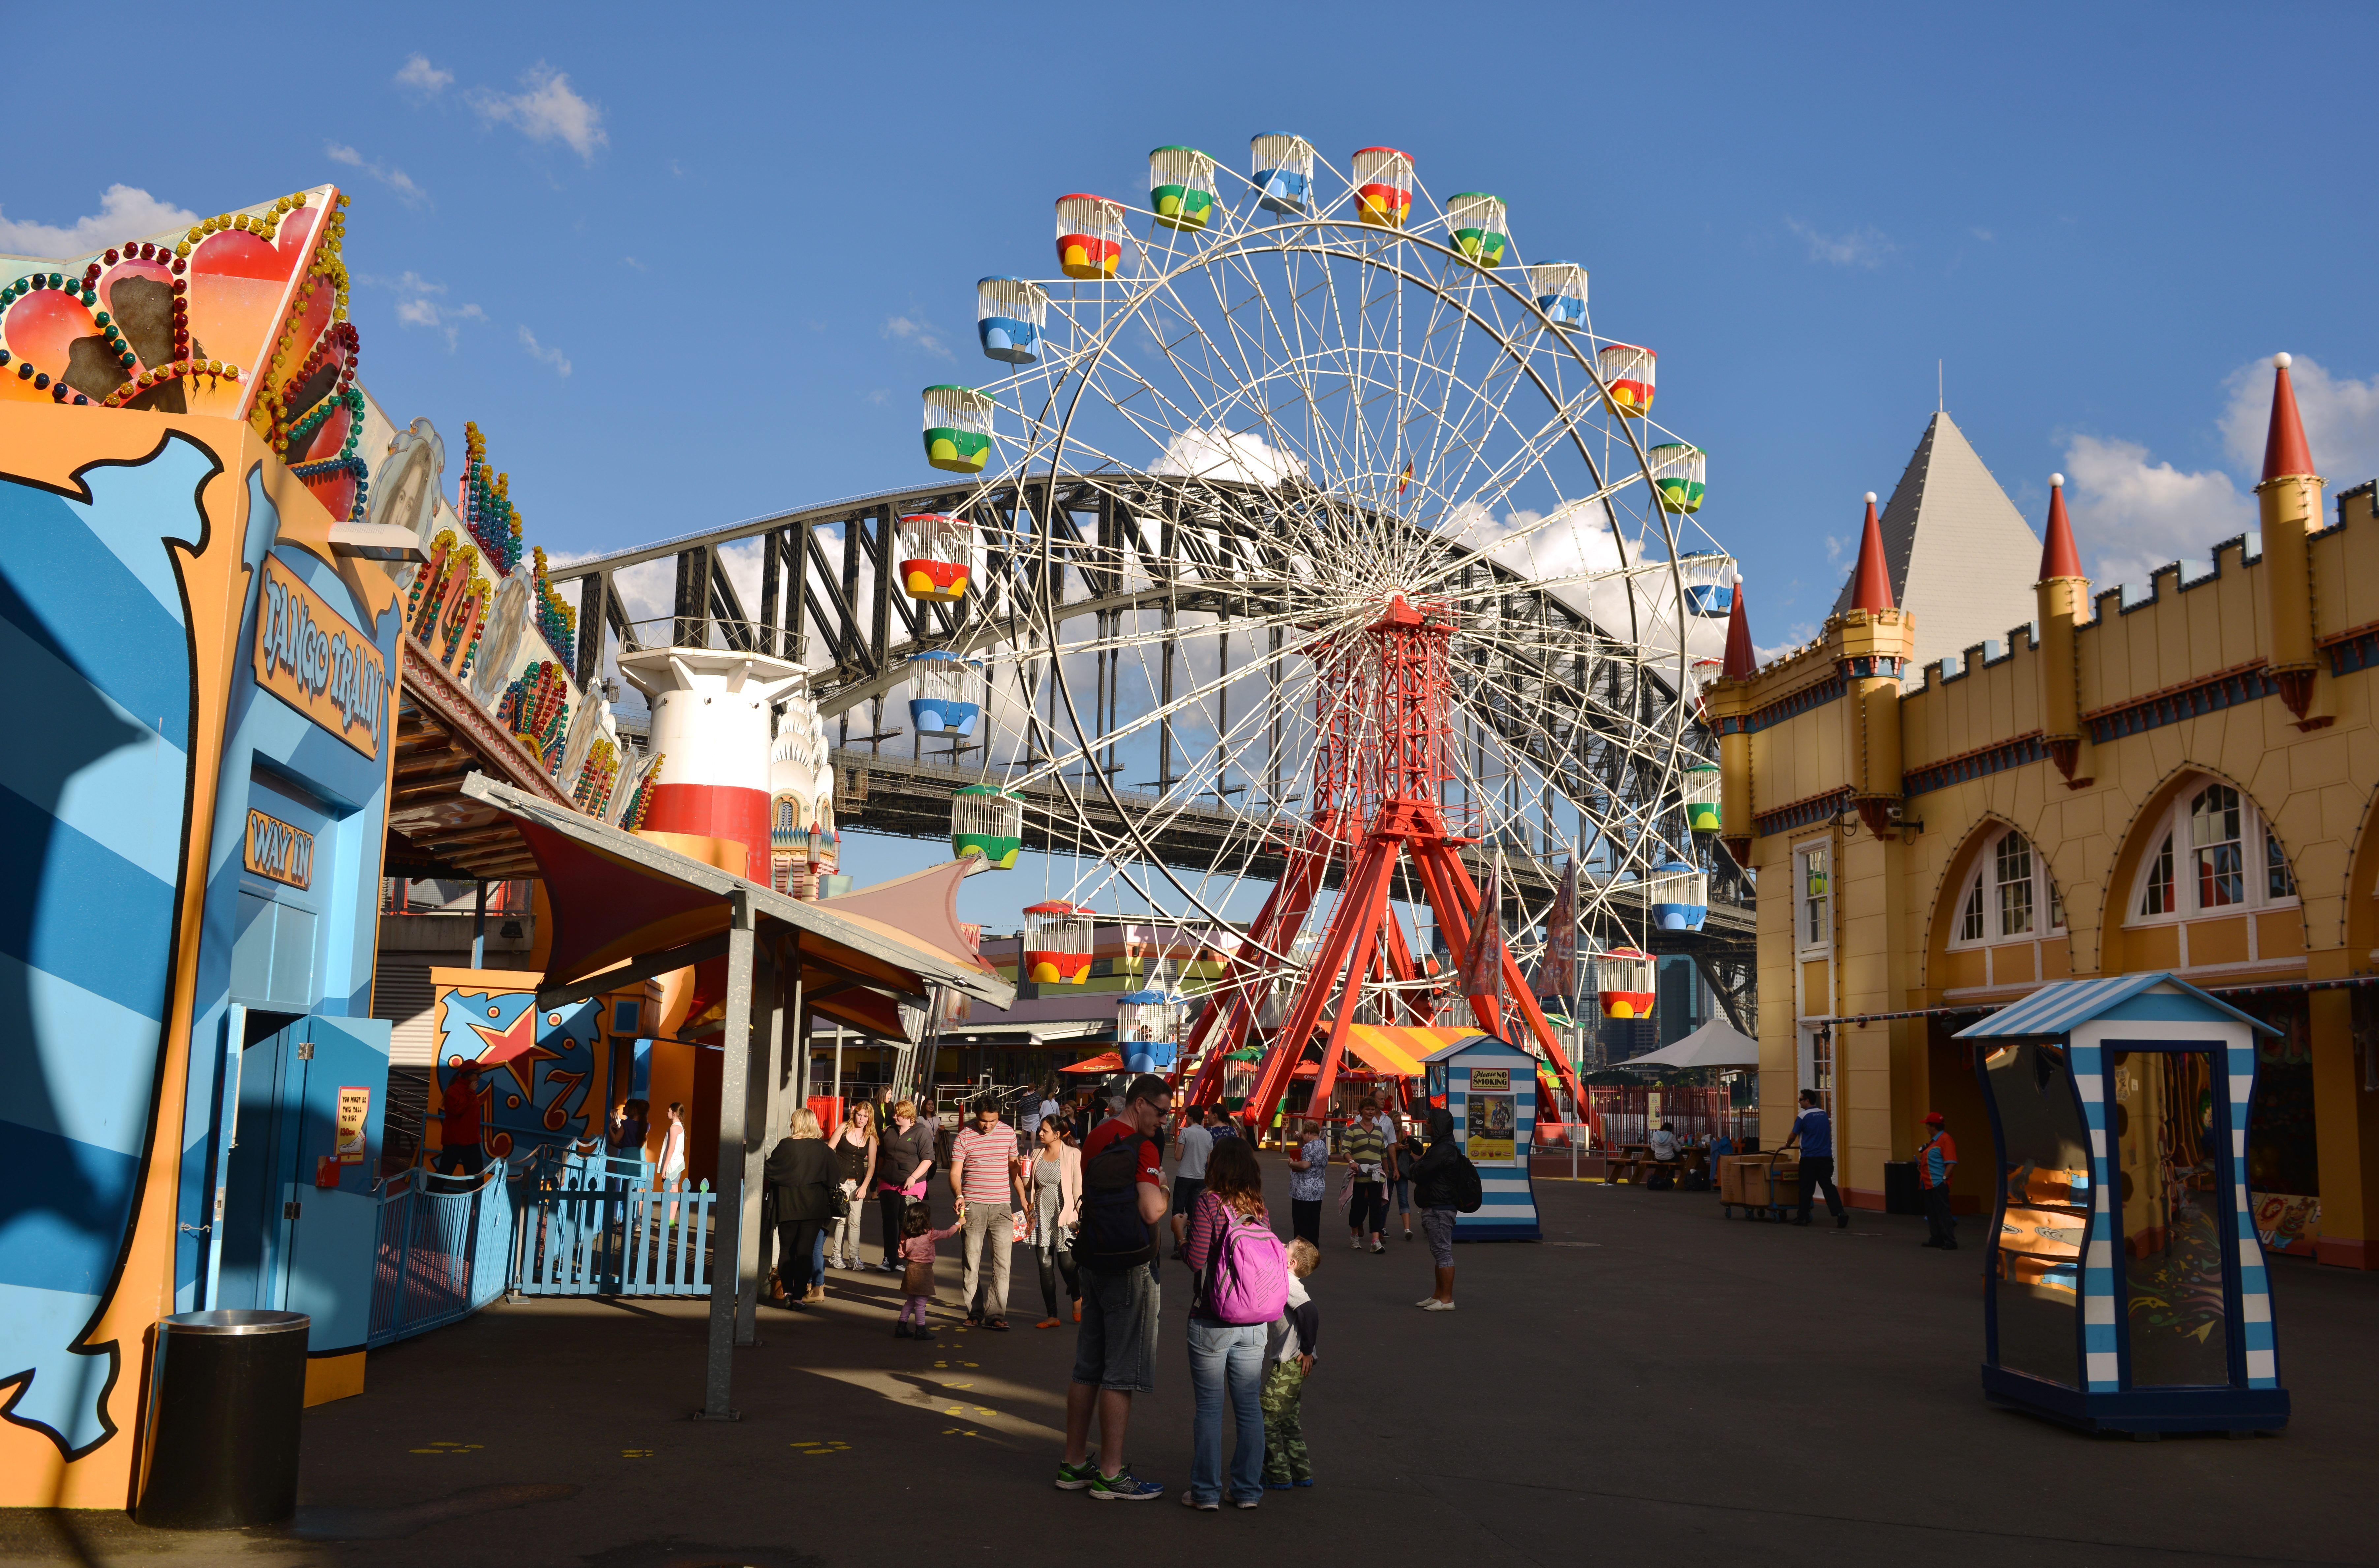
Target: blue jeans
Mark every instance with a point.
(1226, 1361)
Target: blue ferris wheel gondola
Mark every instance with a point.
(943, 690)
(1283, 172)
(1008, 316)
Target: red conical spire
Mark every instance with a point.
(2285, 452)
(2058, 558)
(1742, 661)
(1871, 584)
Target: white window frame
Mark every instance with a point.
(2255, 838)
(1801, 943)
(1983, 881)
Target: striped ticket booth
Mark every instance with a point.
(2127, 1289)
(1490, 1088)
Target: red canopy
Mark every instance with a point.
(1105, 1061)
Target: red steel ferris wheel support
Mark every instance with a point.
(1405, 680)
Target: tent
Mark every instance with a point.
(1714, 1044)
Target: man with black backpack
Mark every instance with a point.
(1445, 1183)
(1115, 1349)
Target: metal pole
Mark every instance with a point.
(726, 1213)
(479, 928)
(760, 1101)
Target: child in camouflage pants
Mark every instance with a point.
(1289, 1361)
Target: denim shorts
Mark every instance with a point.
(1115, 1346)
(1438, 1224)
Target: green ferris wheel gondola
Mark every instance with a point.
(987, 821)
(957, 428)
(1479, 225)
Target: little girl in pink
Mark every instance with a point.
(918, 1238)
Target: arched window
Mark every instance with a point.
(2210, 854)
(2009, 895)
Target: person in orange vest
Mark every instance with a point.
(1935, 1158)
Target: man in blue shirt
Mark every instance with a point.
(1814, 1131)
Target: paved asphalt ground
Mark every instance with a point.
(1653, 1385)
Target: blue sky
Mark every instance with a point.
(685, 272)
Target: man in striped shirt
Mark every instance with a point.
(983, 1167)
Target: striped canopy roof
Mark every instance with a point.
(2060, 1005)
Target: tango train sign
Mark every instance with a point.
(307, 656)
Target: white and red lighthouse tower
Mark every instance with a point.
(710, 730)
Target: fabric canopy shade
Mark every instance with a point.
(1714, 1044)
(1105, 1061)
(618, 899)
(1395, 1051)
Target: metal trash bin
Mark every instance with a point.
(227, 1395)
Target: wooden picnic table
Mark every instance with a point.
(1634, 1161)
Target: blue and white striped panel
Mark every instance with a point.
(2101, 1370)
(2254, 1281)
(93, 795)
(1508, 1207)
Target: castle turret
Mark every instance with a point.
(2062, 596)
(2290, 499)
(1723, 703)
(1872, 639)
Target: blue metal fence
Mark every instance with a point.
(592, 1235)
(546, 1223)
(445, 1247)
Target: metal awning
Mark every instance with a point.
(625, 909)
(444, 736)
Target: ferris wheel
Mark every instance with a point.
(1326, 565)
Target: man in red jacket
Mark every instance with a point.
(1935, 1158)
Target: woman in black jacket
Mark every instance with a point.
(802, 1181)
(1433, 1195)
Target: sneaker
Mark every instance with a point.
(1358, 1244)
(1078, 1478)
(1278, 1486)
(1379, 1247)
(1425, 1302)
(1306, 1481)
(1189, 1502)
(1409, 1235)
(1124, 1488)
(1246, 1502)
(1434, 1305)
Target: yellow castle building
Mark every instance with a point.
(2177, 781)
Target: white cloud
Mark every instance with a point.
(1864, 246)
(548, 110)
(125, 212)
(396, 180)
(2341, 420)
(1984, 234)
(1796, 638)
(553, 357)
(2131, 515)
(418, 73)
(908, 329)
(1219, 454)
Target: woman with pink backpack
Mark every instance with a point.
(1241, 1268)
